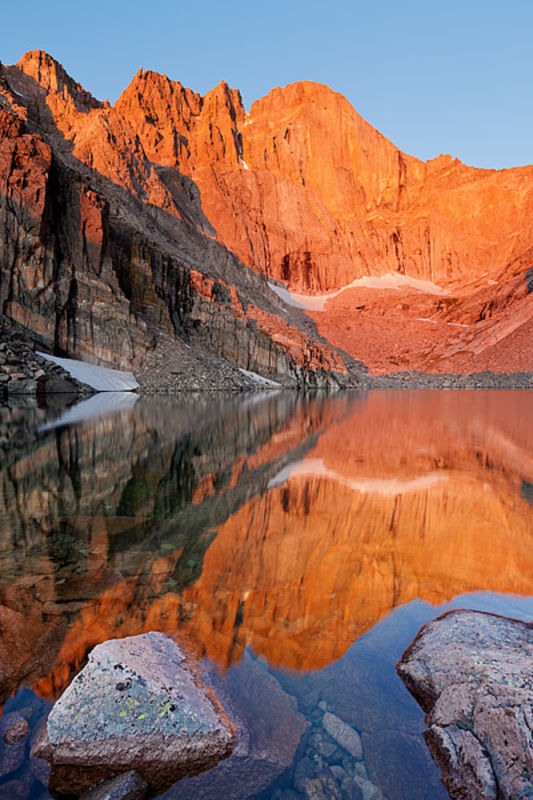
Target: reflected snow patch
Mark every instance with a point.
(388, 487)
(99, 405)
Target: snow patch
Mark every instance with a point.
(99, 405)
(286, 296)
(103, 379)
(388, 487)
(318, 302)
(260, 379)
(19, 94)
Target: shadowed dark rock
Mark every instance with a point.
(129, 786)
(138, 704)
(472, 673)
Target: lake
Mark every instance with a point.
(295, 545)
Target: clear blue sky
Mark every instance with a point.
(432, 75)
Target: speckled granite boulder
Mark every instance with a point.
(472, 673)
(138, 704)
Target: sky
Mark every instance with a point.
(438, 76)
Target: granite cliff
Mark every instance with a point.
(172, 208)
(100, 260)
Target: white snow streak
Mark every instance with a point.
(103, 379)
(389, 487)
(391, 281)
(260, 379)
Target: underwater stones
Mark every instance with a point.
(14, 790)
(323, 787)
(13, 731)
(343, 734)
(128, 786)
(268, 731)
(471, 672)
(138, 704)
(17, 731)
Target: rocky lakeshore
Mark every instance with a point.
(472, 674)
(137, 706)
(174, 366)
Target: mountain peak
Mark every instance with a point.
(53, 78)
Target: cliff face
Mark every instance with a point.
(300, 189)
(321, 198)
(98, 255)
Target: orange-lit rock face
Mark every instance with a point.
(403, 496)
(488, 328)
(300, 187)
(303, 190)
(306, 190)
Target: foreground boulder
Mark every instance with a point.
(472, 673)
(137, 705)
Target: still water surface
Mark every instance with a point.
(295, 544)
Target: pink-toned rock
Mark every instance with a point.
(471, 673)
(137, 705)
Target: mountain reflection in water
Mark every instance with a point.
(288, 525)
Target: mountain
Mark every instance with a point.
(173, 209)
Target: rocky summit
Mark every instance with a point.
(181, 216)
(471, 672)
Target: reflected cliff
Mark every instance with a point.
(292, 525)
(111, 514)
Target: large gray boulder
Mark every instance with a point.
(138, 704)
(472, 673)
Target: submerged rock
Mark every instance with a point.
(472, 673)
(17, 731)
(128, 786)
(138, 704)
(343, 734)
(268, 728)
(13, 731)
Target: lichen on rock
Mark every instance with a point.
(138, 704)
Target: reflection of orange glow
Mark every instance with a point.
(423, 503)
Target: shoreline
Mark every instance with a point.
(175, 368)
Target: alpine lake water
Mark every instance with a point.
(295, 544)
